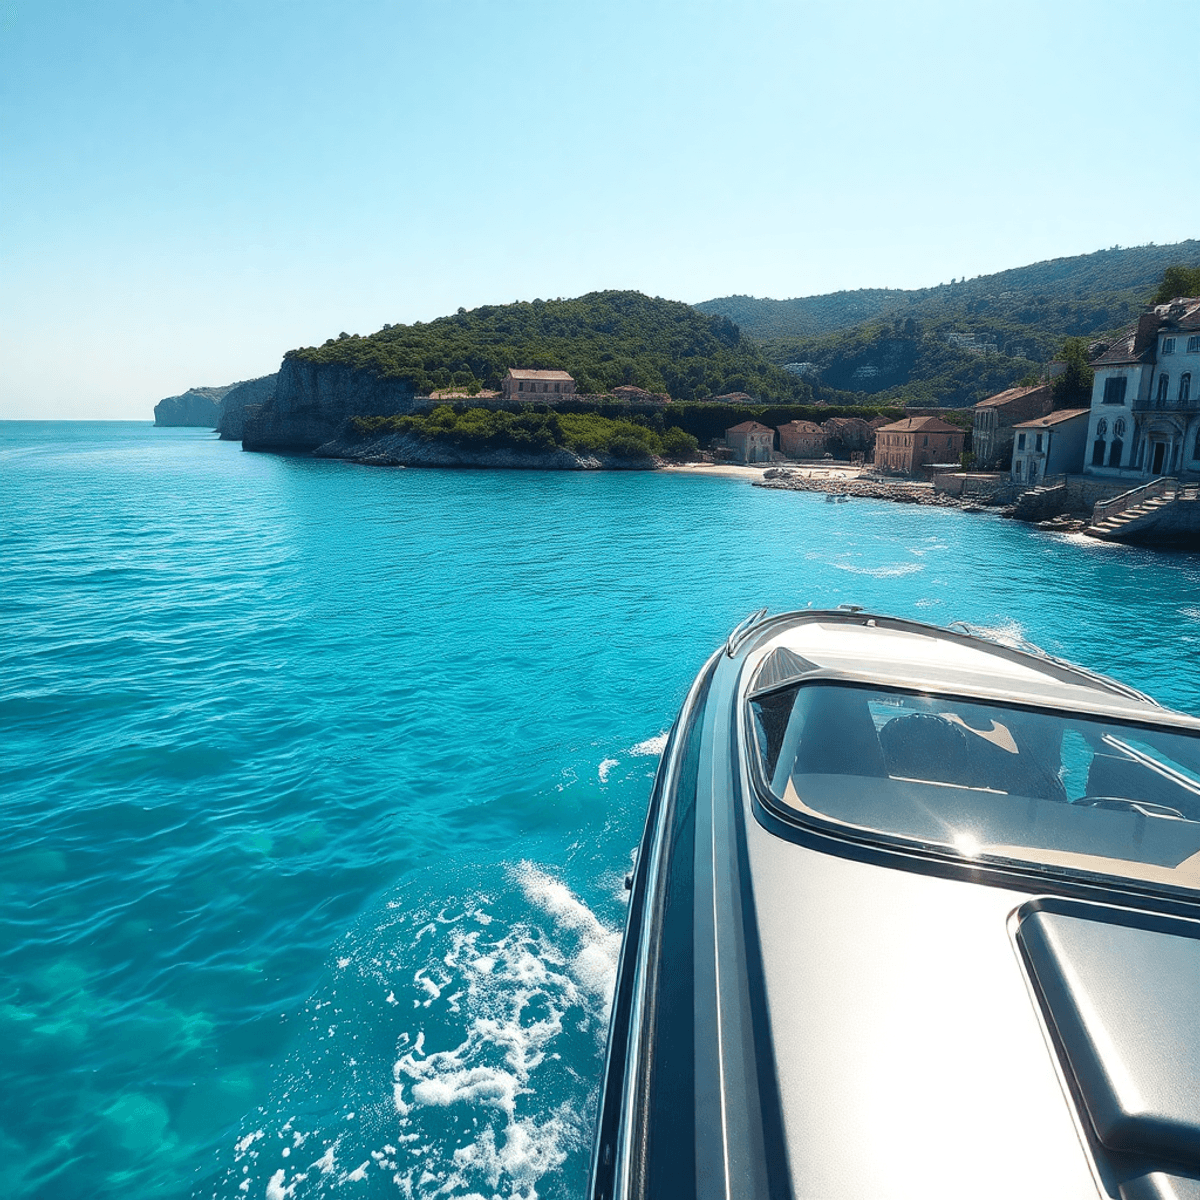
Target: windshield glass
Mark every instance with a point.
(1059, 789)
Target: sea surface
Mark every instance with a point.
(320, 782)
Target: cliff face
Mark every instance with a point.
(253, 391)
(311, 401)
(200, 407)
(405, 450)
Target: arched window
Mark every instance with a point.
(1119, 427)
(1164, 382)
(1102, 427)
(1098, 444)
(1185, 388)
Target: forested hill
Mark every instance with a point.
(1061, 296)
(603, 339)
(957, 343)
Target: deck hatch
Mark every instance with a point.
(1123, 995)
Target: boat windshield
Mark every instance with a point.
(1053, 788)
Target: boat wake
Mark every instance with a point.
(443, 1054)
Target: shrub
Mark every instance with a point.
(679, 445)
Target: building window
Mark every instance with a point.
(1196, 447)
(1114, 452)
(1168, 346)
(1020, 441)
(1164, 382)
(1193, 345)
(1185, 388)
(520, 387)
(1038, 443)
(1114, 390)
(1021, 464)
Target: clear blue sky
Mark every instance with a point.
(191, 187)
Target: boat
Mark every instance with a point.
(915, 913)
(835, 498)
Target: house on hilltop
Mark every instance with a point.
(801, 439)
(750, 442)
(524, 384)
(997, 416)
(1049, 445)
(916, 441)
(1145, 412)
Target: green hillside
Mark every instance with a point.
(956, 343)
(603, 339)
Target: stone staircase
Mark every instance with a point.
(1160, 511)
(1046, 500)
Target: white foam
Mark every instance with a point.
(606, 766)
(651, 746)
(892, 572)
(518, 990)
(243, 1144)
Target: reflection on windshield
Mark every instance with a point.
(1060, 789)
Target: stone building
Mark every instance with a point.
(1049, 445)
(995, 418)
(916, 441)
(845, 436)
(750, 442)
(546, 386)
(801, 439)
(1145, 413)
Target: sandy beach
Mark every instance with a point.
(754, 474)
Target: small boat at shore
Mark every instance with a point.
(914, 914)
(836, 498)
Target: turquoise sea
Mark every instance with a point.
(319, 784)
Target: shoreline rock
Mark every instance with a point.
(897, 492)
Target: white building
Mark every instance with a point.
(1145, 414)
(1049, 445)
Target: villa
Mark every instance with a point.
(1145, 411)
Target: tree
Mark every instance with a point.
(1178, 281)
(1073, 388)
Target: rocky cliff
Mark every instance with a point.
(200, 406)
(312, 401)
(406, 450)
(233, 406)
